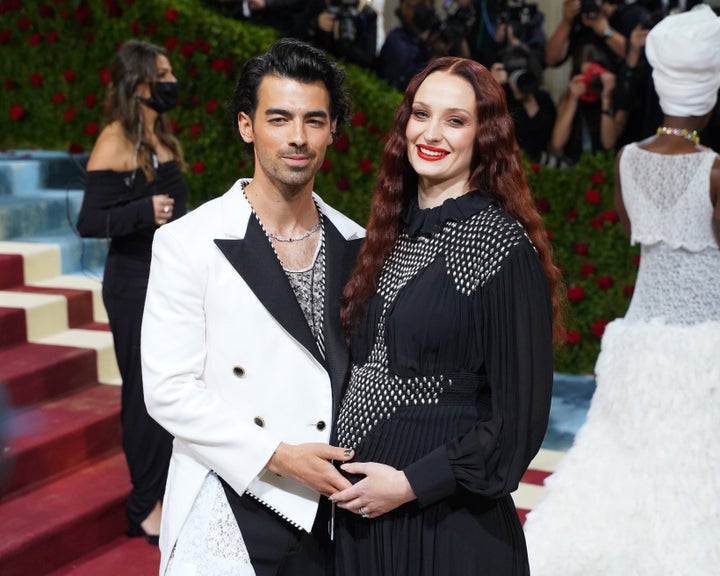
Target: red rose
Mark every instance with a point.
(598, 178)
(598, 328)
(105, 76)
(543, 205)
(17, 112)
(82, 13)
(326, 165)
(194, 100)
(10, 83)
(198, 167)
(69, 75)
(196, 129)
(90, 100)
(592, 196)
(58, 98)
(211, 106)
(575, 294)
(535, 167)
(24, 24)
(636, 260)
(174, 127)
(171, 43)
(222, 65)
(36, 79)
(150, 29)
(596, 223)
(610, 216)
(35, 39)
(52, 37)
(204, 47)
(187, 49)
(46, 11)
(171, 15)
(581, 249)
(194, 72)
(365, 165)
(629, 290)
(549, 234)
(90, 37)
(76, 149)
(571, 215)
(588, 269)
(605, 282)
(135, 27)
(373, 130)
(572, 337)
(5, 36)
(92, 128)
(113, 10)
(343, 184)
(70, 114)
(359, 119)
(342, 143)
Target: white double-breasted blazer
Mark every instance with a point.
(230, 366)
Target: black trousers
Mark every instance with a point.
(146, 444)
(276, 547)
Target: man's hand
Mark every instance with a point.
(310, 465)
(383, 489)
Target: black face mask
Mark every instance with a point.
(165, 97)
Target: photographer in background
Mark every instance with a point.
(278, 14)
(346, 29)
(421, 36)
(584, 120)
(605, 24)
(501, 24)
(532, 109)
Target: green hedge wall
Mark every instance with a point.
(53, 68)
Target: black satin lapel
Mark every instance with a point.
(340, 256)
(255, 260)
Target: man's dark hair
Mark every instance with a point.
(296, 60)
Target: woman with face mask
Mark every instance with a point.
(135, 185)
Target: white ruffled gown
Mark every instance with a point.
(639, 491)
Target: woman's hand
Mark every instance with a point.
(163, 208)
(383, 489)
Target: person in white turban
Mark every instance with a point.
(638, 493)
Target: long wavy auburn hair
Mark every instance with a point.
(496, 168)
(135, 63)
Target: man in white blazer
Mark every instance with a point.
(243, 354)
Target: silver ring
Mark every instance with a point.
(362, 512)
(166, 209)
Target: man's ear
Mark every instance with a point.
(245, 127)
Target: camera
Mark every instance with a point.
(590, 8)
(593, 83)
(518, 12)
(459, 18)
(345, 13)
(520, 78)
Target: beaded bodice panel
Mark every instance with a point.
(668, 202)
(471, 252)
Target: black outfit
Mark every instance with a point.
(403, 55)
(533, 133)
(623, 20)
(118, 205)
(451, 382)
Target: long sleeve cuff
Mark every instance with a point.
(431, 477)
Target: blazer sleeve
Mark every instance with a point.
(173, 350)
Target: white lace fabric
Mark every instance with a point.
(668, 202)
(210, 542)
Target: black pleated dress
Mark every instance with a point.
(118, 205)
(451, 382)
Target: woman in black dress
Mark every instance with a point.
(134, 185)
(451, 312)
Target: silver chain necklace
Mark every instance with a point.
(294, 238)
